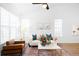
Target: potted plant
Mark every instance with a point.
(44, 41)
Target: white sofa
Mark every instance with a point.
(32, 42)
(35, 42)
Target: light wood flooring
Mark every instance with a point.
(68, 49)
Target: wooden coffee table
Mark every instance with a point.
(54, 48)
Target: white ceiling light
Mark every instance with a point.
(44, 6)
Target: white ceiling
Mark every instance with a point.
(24, 9)
(27, 10)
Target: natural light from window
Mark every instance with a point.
(58, 27)
(10, 26)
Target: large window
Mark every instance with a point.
(14, 27)
(4, 33)
(10, 27)
(58, 27)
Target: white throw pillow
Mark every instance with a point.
(12, 41)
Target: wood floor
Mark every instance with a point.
(72, 49)
(68, 49)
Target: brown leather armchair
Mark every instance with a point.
(17, 48)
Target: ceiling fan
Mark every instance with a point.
(44, 5)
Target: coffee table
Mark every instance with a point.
(54, 48)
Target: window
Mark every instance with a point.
(4, 17)
(4, 33)
(14, 27)
(10, 26)
(58, 27)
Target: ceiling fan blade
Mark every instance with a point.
(39, 3)
(36, 3)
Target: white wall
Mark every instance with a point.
(70, 15)
(34, 23)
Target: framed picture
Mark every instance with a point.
(44, 26)
(75, 30)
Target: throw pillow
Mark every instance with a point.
(34, 37)
(11, 41)
(49, 37)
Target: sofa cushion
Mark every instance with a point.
(34, 43)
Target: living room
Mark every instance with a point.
(26, 23)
